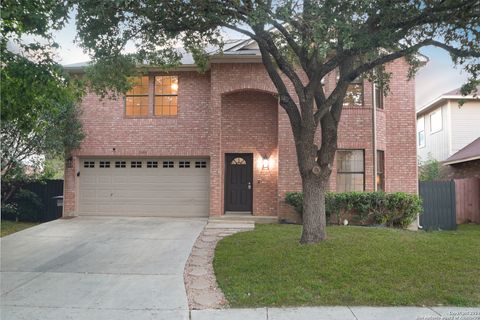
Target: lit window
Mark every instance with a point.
(136, 100)
(380, 170)
(436, 121)
(166, 94)
(238, 162)
(354, 95)
(350, 170)
(421, 132)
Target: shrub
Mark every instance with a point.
(391, 209)
(402, 209)
(295, 199)
(9, 211)
(29, 205)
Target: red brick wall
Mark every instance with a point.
(249, 125)
(106, 128)
(469, 169)
(400, 123)
(208, 112)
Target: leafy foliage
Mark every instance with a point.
(25, 206)
(29, 205)
(396, 209)
(429, 170)
(39, 100)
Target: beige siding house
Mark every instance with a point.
(444, 126)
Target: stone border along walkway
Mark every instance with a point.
(200, 282)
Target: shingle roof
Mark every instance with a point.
(456, 92)
(451, 95)
(468, 153)
(231, 47)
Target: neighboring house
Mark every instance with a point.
(185, 143)
(465, 163)
(444, 126)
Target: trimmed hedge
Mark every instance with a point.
(397, 209)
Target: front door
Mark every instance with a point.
(238, 181)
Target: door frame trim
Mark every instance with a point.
(225, 180)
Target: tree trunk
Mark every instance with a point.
(314, 217)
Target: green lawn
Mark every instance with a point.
(9, 227)
(355, 266)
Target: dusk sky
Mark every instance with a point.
(437, 77)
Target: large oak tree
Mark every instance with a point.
(300, 43)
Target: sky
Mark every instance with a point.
(437, 77)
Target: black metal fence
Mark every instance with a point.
(438, 205)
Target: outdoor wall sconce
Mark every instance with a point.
(265, 163)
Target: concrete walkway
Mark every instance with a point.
(340, 313)
(98, 268)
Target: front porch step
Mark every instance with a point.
(242, 218)
(227, 225)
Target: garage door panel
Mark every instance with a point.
(161, 194)
(144, 191)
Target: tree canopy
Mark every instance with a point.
(300, 43)
(39, 111)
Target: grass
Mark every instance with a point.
(355, 266)
(9, 227)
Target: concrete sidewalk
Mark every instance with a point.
(340, 313)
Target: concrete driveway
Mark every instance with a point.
(98, 268)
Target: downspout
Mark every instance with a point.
(374, 137)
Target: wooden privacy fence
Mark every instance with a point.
(47, 191)
(438, 205)
(467, 196)
(448, 203)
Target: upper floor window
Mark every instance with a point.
(350, 170)
(421, 132)
(166, 94)
(136, 100)
(378, 96)
(436, 121)
(354, 95)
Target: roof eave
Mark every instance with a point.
(461, 160)
(183, 67)
(433, 104)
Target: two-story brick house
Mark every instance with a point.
(184, 143)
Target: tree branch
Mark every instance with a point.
(286, 100)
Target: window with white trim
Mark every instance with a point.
(135, 164)
(184, 164)
(421, 132)
(89, 164)
(104, 164)
(436, 121)
(120, 164)
(350, 170)
(200, 164)
(152, 164)
(168, 164)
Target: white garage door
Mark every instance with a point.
(144, 187)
